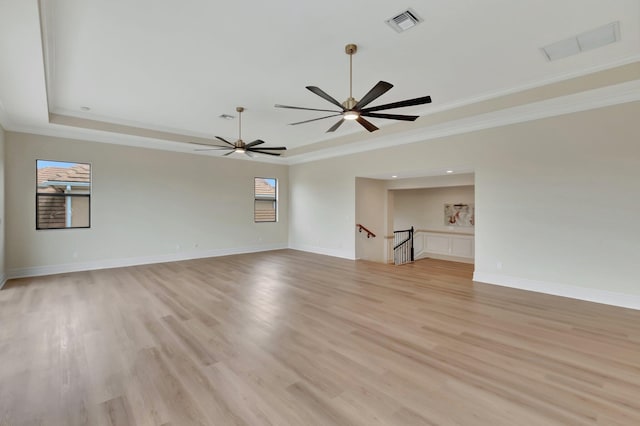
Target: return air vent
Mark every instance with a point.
(589, 40)
(404, 20)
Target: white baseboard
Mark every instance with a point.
(322, 250)
(145, 260)
(623, 300)
(424, 255)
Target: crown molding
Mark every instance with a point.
(92, 121)
(98, 136)
(591, 99)
(534, 85)
(581, 101)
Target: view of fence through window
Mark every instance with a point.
(63, 195)
(265, 207)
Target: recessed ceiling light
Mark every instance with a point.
(226, 116)
(394, 176)
(85, 108)
(449, 171)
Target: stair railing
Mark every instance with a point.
(403, 246)
(364, 228)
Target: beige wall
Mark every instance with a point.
(424, 208)
(556, 199)
(146, 205)
(3, 271)
(322, 218)
(371, 209)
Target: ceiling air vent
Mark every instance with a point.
(593, 39)
(404, 20)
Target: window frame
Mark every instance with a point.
(39, 195)
(257, 199)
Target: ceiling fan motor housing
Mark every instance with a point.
(349, 103)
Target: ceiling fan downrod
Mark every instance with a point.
(240, 143)
(350, 49)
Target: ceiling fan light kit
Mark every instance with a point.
(243, 148)
(355, 110)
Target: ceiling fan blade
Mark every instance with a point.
(249, 154)
(314, 119)
(268, 148)
(229, 153)
(405, 103)
(303, 108)
(225, 141)
(366, 124)
(378, 90)
(325, 96)
(390, 116)
(275, 154)
(254, 143)
(213, 148)
(335, 126)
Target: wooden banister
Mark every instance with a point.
(361, 228)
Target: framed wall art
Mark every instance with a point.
(459, 214)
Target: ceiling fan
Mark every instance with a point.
(240, 146)
(352, 109)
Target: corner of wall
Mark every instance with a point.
(3, 274)
(343, 254)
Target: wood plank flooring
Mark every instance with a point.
(293, 338)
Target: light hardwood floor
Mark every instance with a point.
(292, 338)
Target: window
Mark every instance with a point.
(265, 207)
(63, 195)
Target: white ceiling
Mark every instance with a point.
(176, 66)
